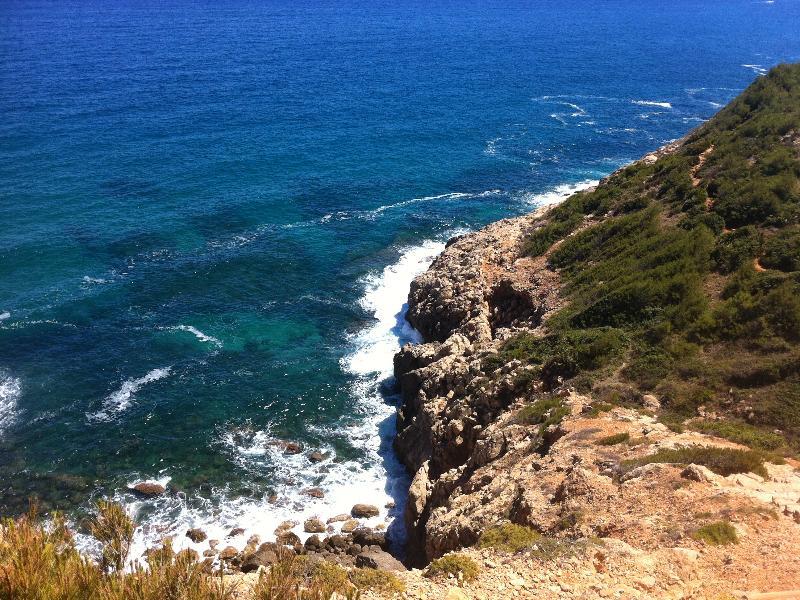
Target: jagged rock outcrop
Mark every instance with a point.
(478, 291)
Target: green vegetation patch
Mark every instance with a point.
(677, 268)
(723, 461)
(455, 565)
(376, 580)
(613, 440)
(509, 537)
(544, 412)
(741, 433)
(717, 534)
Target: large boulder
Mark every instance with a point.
(378, 559)
(197, 535)
(266, 555)
(314, 525)
(363, 511)
(148, 489)
(367, 537)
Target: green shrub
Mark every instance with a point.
(508, 537)
(737, 248)
(716, 534)
(723, 461)
(741, 433)
(376, 580)
(782, 251)
(455, 565)
(613, 440)
(544, 412)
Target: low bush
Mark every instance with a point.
(457, 565)
(613, 440)
(508, 537)
(723, 461)
(375, 580)
(741, 433)
(717, 534)
(544, 412)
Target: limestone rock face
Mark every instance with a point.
(473, 296)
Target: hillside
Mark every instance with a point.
(647, 324)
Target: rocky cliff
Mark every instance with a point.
(565, 387)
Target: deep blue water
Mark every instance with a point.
(210, 213)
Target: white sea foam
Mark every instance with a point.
(198, 334)
(558, 193)
(446, 196)
(5, 315)
(120, 400)
(10, 390)
(757, 69)
(94, 280)
(377, 477)
(652, 103)
(384, 298)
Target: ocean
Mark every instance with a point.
(211, 212)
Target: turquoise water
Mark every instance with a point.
(210, 214)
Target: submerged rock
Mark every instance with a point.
(314, 525)
(197, 535)
(148, 489)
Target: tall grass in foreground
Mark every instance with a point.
(39, 561)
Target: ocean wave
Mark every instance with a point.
(203, 337)
(558, 193)
(5, 315)
(94, 280)
(376, 477)
(384, 298)
(757, 69)
(23, 324)
(120, 400)
(10, 390)
(652, 103)
(445, 196)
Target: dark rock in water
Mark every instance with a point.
(285, 526)
(287, 447)
(273, 499)
(364, 511)
(315, 492)
(313, 543)
(318, 456)
(378, 559)
(235, 531)
(266, 555)
(287, 538)
(210, 552)
(253, 540)
(349, 526)
(366, 537)
(196, 535)
(148, 489)
(338, 518)
(228, 553)
(314, 525)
